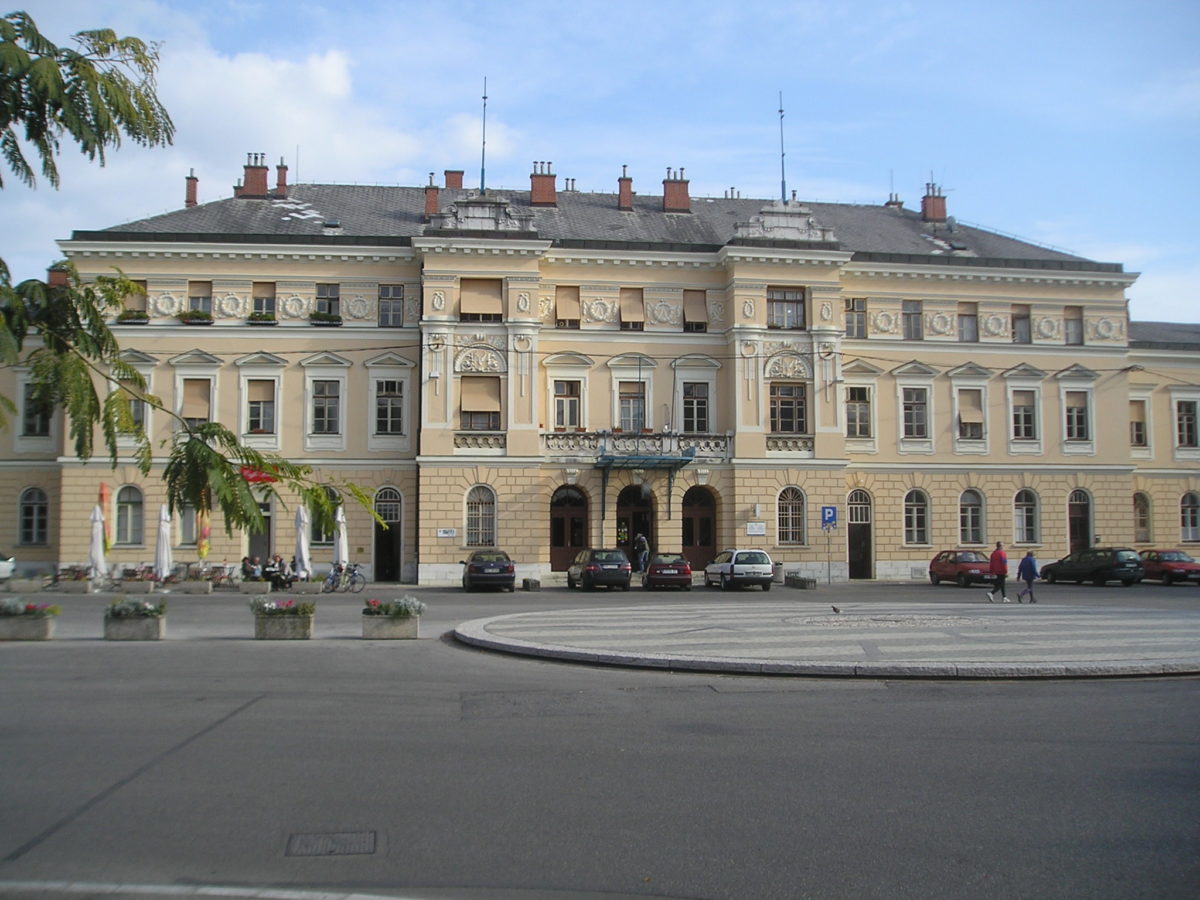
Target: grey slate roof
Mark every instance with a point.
(1164, 335)
(394, 215)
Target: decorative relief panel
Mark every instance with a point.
(479, 359)
(1107, 329)
(523, 301)
(166, 305)
(995, 325)
(748, 309)
(600, 310)
(357, 307)
(1047, 327)
(412, 309)
(232, 305)
(940, 323)
(827, 312)
(545, 308)
(439, 300)
(788, 365)
(884, 322)
(664, 312)
(716, 312)
(294, 306)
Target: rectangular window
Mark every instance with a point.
(389, 406)
(913, 321)
(695, 407)
(968, 322)
(1073, 325)
(632, 405)
(200, 296)
(480, 404)
(633, 310)
(260, 406)
(329, 300)
(1024, 416)
(481, 300)
(915, 402)
(391, 305)
(856, 317)
(196, 407)
(1137, 423)
(566, 404)
(695, 311)
(566, 306)
(327, 407)
(1022, 325)
(1185, 423)
(858, 412)
(1076, 403)
(785, 308)
(970, 414)
(35, 418)
(262, 295)
(789, 409)
(137, 410)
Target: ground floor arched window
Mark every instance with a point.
(35, 516)
(1189, 517)
(481, 517)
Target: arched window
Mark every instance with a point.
(790, 516)
(859, 503)
(129, 516)
(35, 516)
(1189, 517)
(1141, 518)
(481, 517)
(388, 504)
(970, 517)
(916, 518)
(1025, 517)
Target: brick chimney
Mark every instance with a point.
(625, 190)
(894, 202)
(254, 181)
(189, 193)
(933, 204)
(675, 193)
(542, 190)
(454, 178)
(431, 199)
(281, 185)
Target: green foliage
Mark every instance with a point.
(403, 608)
(261, 607)
(124, 608)
(194, 315)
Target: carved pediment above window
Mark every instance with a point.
(790, 366)
(481, 212)
(784, 221)
(477, 360)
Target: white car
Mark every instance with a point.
(7, 564)
(738, 568)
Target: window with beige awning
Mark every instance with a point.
(694, 307)
(970, 406)
(632, 307)
(481, 296)
(480, 394)
(196, 399)
(566, 302)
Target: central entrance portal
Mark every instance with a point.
(635, 515)
(568, 526)
(699, 527)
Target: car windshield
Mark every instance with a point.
(753, 557)
(609, 556)
(1177, 556)
(490, 556)
(972, 556)
(1127, 555)
(668, 559)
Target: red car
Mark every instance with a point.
(667, 570)
(1170, 566)
(963, 567)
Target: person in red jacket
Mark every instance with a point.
(998, 566)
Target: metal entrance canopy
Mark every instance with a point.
(606, 462)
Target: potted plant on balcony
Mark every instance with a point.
(133, 317)
(194, 317)
(135, 620)
(20, 621)
(328, 320)
(260, 318)
(283, 621)
(395, 620)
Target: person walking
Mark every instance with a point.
(641, 553)
(998, 566)
(1027, 572)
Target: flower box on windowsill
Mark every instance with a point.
(132, 318)
(194, 317)
(324, 320)
(261, 322)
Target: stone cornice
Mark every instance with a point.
(466, 246)
(948, 272)
(76, 249)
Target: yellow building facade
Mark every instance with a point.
(547, 370)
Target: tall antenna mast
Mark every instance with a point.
(782, 170)
(483, 157)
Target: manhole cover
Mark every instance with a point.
(335, 843)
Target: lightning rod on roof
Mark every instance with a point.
(483, 156)
(782, 171)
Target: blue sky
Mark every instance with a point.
(1075, 124)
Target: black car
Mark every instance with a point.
(592, 568)
(489, 568)
(1097, 565)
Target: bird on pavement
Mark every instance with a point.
(835, 609)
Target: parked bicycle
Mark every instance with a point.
(343, 579)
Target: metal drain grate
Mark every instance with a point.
(335, 843)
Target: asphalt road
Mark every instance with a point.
(432, 770)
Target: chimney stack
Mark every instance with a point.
(189, 195)
(454, 179)
(625, 190)
(542, 190)
(675, 193)
(281, 185)
(933, 204)
(431, 199)
(894, 201)
(254, 182)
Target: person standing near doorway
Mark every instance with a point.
(641, 553)
(1027, 572)
(998, 566)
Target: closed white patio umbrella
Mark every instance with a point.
(341, 543)
(162, 547)
(303, 560)
(97, 566)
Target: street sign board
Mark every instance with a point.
(828, 516)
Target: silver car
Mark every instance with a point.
(738, 568)
(7, 564)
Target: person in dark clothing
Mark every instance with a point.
(641, 553)
(998, 566)
(1027, 572)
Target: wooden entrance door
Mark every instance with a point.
(858, 535)
(1079, 520)
(568, 526)
(388, 548)
(699, 527)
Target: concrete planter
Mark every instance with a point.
(192, 587)
(23, 585)
(136, 628)
(254, 587)
(283, 628)
(26, 628)
(390, 628)
(305, 587)
(137, 586)
(72, 587)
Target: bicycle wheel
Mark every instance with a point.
(357, 583)
(329, 585)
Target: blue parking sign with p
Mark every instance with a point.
(828, 515)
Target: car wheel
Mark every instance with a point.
(1049, 577)
(687, 587)
(1098, 581)
(766, 585)
(725, 585)
(587, 584)
(962, 580)
(1166, 579)
(570, 582)
(933, 579)
(625, 586)
(1128, 582)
